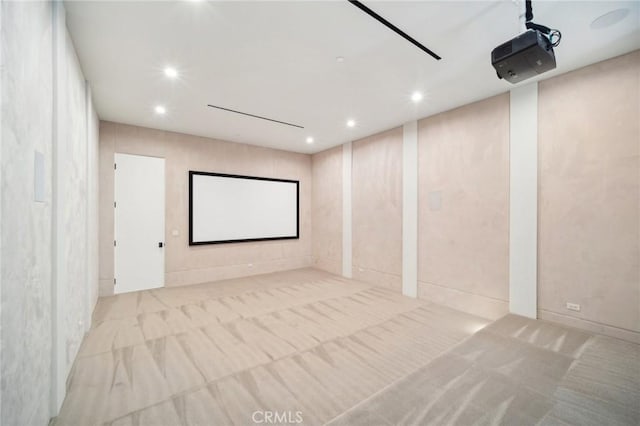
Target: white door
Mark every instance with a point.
(139, 222)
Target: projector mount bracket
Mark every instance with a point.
(554, 36)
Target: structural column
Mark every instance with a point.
(410, 209)
(346, 212)
(523, 201)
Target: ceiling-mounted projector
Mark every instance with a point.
(523, 57)
(529, 54)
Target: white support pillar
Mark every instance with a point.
(410, 209)
(346, 211)
(523, 201)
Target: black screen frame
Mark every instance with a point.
(193, 173)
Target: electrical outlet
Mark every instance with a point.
(573, 306)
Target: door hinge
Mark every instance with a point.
(115, 166)
(114, 243)
(114, 204)
(114, 281)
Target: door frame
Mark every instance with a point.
(164, 214)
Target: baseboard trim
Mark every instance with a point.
(482, 306)
(328, 264)
(379, 278)
(217, 273)
(594, 327)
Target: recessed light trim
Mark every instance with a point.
(351, 123)
(160, 110)
(340, 59)
(171, 72)
(416, 97)
(309, 140)
(609, 19)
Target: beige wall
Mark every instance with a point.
(463, 244)
(589, 194)
(327, 210)
(588, 207)
(377, 208)
(197, 264)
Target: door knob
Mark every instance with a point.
(160, 244)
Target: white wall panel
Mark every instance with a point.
(523, 196)
(347, 252)
(410, 209)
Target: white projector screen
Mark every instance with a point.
(227, 208)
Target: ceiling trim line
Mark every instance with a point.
(393, 28)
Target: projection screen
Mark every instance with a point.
(227, 208)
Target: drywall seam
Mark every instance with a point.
(347, 267)
(410, 209)
(523, 200)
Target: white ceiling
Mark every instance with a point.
(278, 59)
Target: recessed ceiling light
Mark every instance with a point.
(609, 19)
(309, 139)
(171, 72)
(351, 123)
(159, 109)
(416, 97)
(339, 59)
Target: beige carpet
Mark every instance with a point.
(516, 371)
(309, 346)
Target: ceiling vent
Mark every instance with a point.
(256, 116)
